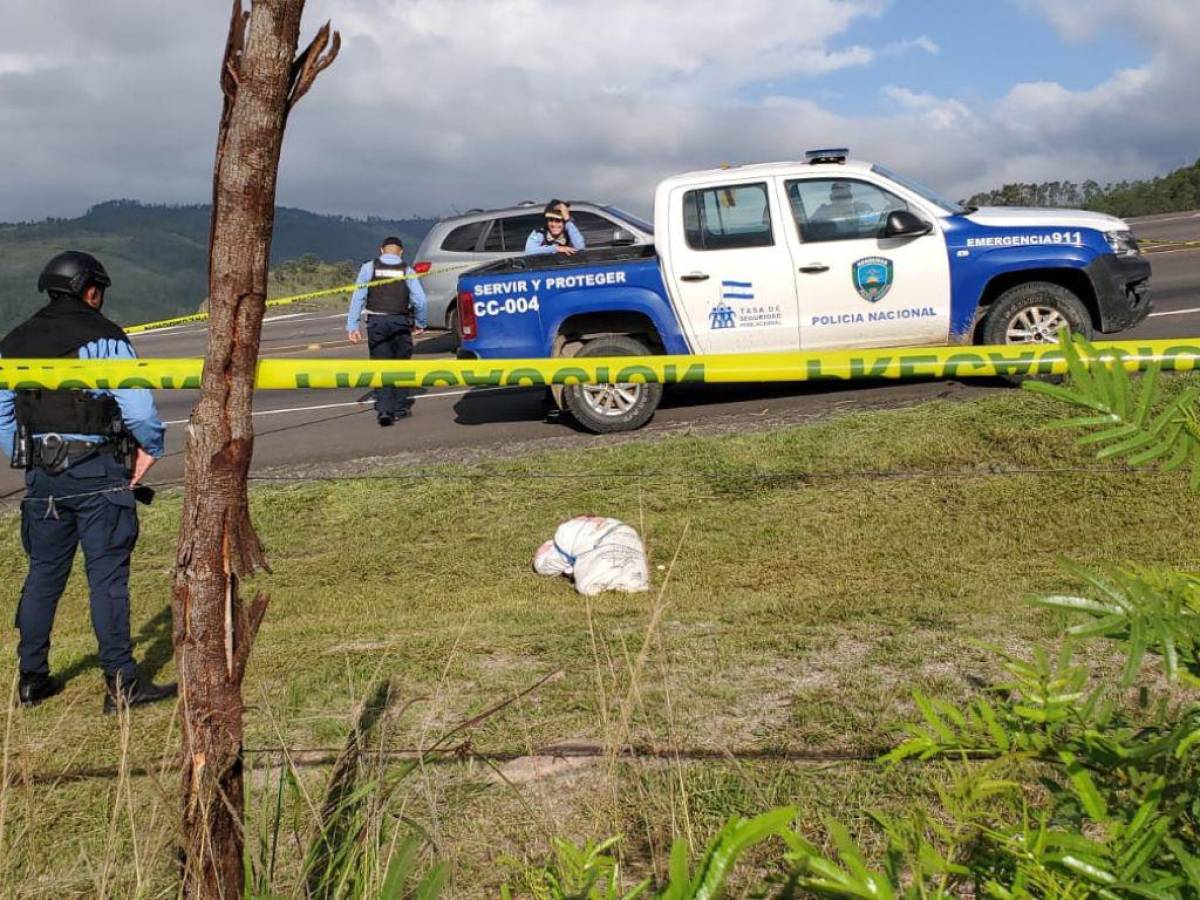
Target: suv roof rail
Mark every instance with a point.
(512, 209)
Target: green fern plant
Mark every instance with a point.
(588, 873)
(1066, 788)
(1130, 420)
(1149, 611)
(577, 873)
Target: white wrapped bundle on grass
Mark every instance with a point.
(600, 553)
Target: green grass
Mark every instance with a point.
(800, 613)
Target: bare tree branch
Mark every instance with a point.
(312, 62)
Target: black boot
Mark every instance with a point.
(36, 687)
(133, 692)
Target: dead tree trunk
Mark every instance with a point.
(261, 78)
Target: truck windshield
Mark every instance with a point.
(955, 209)
(640, 224)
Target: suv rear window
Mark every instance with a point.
(491, 243)
(516, 231)
(464, 238)
(597, 231)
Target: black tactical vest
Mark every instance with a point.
(57, 330)
(548, 239)
(393, 298)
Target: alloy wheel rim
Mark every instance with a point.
(1035, 325)
(611, 400)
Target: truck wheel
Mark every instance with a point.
(1033, 313)
(608, 408)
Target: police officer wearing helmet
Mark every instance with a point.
(560, 234)
(83, 452)
(395, 313)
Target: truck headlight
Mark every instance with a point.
(1123, 243)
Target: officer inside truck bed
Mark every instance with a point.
(83, 452)
(560, 234)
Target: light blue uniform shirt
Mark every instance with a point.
(535, 247)
(137, 405)
(416, 293)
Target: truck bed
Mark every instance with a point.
(601, 256)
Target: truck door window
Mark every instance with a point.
(837, 209)
(516, 230)
(727, 218)
(464, 238)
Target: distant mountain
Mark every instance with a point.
(1176, 191)
(157, 255)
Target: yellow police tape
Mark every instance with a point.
(296, 298)
(1178, 354)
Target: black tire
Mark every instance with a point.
(1040, 303)
(452, 327)
(627, 408)
(1033, 313)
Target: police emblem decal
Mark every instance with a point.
(872, 277)
(722, 316)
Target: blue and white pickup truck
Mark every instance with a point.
(828, 253)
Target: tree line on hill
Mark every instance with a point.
(157, 255)
(1175, 192)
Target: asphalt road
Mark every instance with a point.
(312, 430)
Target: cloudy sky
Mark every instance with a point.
(438, 105)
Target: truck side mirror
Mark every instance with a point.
(902, 223)
(623, 238)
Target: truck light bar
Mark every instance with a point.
(831, 155)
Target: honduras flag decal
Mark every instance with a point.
(872, 277)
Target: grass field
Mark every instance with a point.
(791, 617)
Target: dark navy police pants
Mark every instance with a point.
(106, 526)
(390, 337)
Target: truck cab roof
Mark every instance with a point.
(765, 170)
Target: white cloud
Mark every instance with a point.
(17, 63)
(612, 44)
(437, 104)
(938, 112)
(926, 43)
(1159, 21)
(922, 42)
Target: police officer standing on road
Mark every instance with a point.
(83, 453)
(560, 234)
(395, 314)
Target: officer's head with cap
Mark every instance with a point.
(75, 275)
(391, 246)
(557, 212)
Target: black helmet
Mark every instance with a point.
(71, 273)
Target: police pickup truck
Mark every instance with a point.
(830, 253)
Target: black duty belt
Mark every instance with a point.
(54, 453)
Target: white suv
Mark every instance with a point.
(481, 236)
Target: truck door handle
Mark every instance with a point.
(814, 268)
(694, 276)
